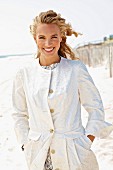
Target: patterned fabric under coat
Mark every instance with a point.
(48, 163)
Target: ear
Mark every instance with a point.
(61, 39)
(35, 40)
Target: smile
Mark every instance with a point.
(49, 49)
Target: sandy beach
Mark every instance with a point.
(11, 156)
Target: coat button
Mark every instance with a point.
(52, 151)
(51, 130)
(50, 91)
(51, 110)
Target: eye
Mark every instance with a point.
(54, 36)
(41, 37)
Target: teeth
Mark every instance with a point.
(49, 49)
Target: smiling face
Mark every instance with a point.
(48, 40)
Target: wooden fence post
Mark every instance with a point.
(110, 61)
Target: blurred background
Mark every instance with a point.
(92, 18)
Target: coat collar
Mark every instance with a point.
(47, 70)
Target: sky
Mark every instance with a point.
(93, 18)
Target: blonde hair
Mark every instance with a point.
(49, 17)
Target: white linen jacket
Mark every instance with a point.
(57, 125)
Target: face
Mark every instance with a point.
(48, 39)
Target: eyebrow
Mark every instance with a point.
(55, 35)
(44, 35)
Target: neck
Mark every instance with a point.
(46, 61)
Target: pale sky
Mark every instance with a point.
(93, 18)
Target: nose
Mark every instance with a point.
(48, 42)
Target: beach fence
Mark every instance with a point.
(96, 53)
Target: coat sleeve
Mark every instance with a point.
(91, 101)
(20, 114)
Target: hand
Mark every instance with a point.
(91, 137)
(22, 147)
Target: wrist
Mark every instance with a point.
(91, 137)
(22, 147)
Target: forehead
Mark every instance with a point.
(48, 29)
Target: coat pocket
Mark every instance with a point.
(87, 140)
(85, 154)
(32, 146)
(83, 142)
(34, 135)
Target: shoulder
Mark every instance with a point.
(27, 68)
(29, 65)
(74, 63)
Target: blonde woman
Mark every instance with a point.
(47, 98)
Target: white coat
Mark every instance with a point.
(40, 124)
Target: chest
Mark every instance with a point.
(55, 82)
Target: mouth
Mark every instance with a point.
(48, 50)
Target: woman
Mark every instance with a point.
(47, 97)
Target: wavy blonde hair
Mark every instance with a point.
(49, 17)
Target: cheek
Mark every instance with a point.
(39, 44)
(57, 43)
